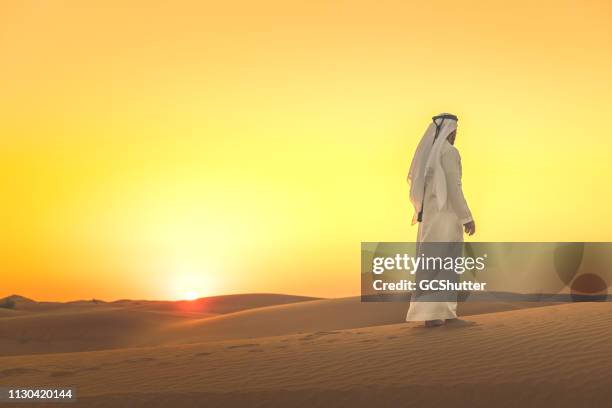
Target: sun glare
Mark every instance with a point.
(190, 283)
(190, 295)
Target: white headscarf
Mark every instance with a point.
(426, 161)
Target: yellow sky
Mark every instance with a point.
(156, 149)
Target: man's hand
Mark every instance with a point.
(469, 227)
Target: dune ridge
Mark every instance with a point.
(78, 326)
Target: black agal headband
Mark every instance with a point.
(445, 116)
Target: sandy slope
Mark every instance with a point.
(326, 314)
(10, 313)
(82, 330)
(550, 356)
(83, 326)
(50, 327)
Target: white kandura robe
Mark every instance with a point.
(445, 225)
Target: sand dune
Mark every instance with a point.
(81, 330)
(326, 314)
(87, 326)
(211, 305)
(10, 312)
(218, 304)
(550, 356)
(52, 327)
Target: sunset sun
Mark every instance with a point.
(190, 295)
(191, 284)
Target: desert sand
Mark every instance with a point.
(51, 327)
(325, 352)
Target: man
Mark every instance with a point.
(441, 210)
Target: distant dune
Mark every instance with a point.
(212, 304)
(558, 356)
(55, 327)
(218, 304)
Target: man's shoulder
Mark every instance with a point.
(450, 150)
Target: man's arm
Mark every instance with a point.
(451, 163)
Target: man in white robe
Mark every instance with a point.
(440, 207)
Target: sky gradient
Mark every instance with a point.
(161, 149)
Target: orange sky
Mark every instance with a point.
(163, 148)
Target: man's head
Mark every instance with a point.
(438, 120)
